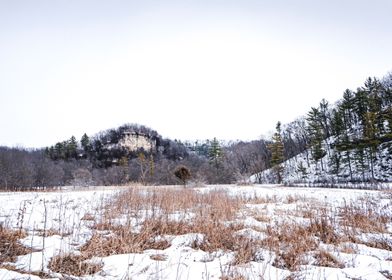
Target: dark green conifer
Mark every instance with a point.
(277, 153)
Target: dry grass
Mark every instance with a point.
(73, 265)
(290, 242)
(10, 247)
(348, 248)
(231, 273)
(326, 259)
(88, 217)
(363, 216)
(233, 276)
(322, 225)
(158, 257)
(218, 237)
(211, 211)
(166, 200)
(257, 199)
(306, 211)
(159, 227)
(122, 241)
(383, 243)
(161, 212)
(140, 219)
(51, 232)
(245, 251)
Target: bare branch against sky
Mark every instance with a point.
(229, 69)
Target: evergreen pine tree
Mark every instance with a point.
(85, 142)
(371, 139)
(337, 123)
(59, 151)
(316, 136)
(71, 148)
(301, 169)
(375, 106)
(47, 152)
(325, 118)
(348, 117)
(347, 108)
(344, 147)
(335, 163)
(361, 103)
(388, 118)
(215, 153)
(52, 153)
(359, 157)
(277, 153)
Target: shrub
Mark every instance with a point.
(183, 174)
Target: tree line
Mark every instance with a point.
(351, 132)
(94, 161)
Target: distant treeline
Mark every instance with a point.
(96, 161)
(358, 124)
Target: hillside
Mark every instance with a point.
(128, 154)
(304, 169)
(350, 141)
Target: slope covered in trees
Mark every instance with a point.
(350, 141)
(100, 160)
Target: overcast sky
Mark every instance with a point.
(188, 69)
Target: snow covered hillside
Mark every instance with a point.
(350, 141)
(334, 167)
(211, 232)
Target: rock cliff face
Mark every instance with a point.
(134, 141)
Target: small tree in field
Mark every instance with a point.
(183, 174)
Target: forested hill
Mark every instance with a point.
(350, 141)
(127, 154)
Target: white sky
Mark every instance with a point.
(188, 69)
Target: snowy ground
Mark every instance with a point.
(302, 169)
(61, 222)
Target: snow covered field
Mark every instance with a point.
(212, 232)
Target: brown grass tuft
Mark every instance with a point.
(73, 265)
(122, 241)
(10, 247)
(158, 257)
(348, 248)
(245, 251)
(364, 217)
(88, 217)
(384, 244)
(324, 258)
(290, 242)
(235, 277)
(322, 225)
(159, 227)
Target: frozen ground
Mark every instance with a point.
(61, 222)
(303, 169)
